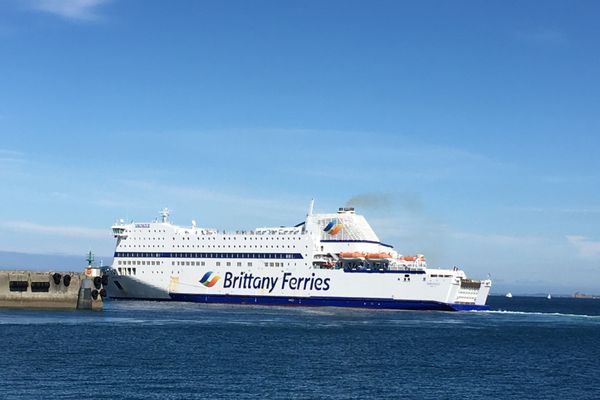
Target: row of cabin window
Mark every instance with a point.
(209, 255)
(209, 237)
(129, 262)
(218, 246)
(133, 271)
(188, 263)
(218, 263)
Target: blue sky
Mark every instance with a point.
(468, 131)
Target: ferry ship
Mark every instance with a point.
(333, 259)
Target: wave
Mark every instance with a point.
(541, 314)
(20, 320)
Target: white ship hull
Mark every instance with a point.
(297, 266)
(336, 288)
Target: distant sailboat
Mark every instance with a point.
(509, 295)
(549, 297)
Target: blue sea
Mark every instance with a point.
(525, 348)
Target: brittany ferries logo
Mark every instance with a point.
(333, 227)
(209, 279)
(286, 281)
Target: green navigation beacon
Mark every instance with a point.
(90, 258)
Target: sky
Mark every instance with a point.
(467, 131)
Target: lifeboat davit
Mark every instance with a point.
(379, 256)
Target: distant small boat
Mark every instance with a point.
(549, 297)
(509, 295)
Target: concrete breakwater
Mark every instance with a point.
(59, 290)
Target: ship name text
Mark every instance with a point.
(288, 282)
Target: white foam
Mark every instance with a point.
(541, 314)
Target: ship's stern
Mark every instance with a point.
(472, 295)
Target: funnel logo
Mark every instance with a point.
(209, 279)
(333, 228)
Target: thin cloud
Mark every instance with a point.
(77, 10)
(497, 239)
(110, 203)
(557, 210)
(585, 247)
(569, 180)
(188, 193)
(10, 154)
(76, 231)
(11, 163)
(543, 36)
(418, 163)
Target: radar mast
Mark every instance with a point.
(164, 213)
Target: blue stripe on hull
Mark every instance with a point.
(378, 271)
(356, 241)
(469, 307)
(328, 302)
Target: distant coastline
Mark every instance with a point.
(579, 295)
(576, 295)
(46, 262)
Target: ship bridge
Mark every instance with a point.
(119, 230)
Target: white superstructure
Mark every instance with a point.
(328, 260)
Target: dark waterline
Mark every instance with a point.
(525, 348)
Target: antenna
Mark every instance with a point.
(164, 213)
(310, 207)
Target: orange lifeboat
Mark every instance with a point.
(352, 254)
(379, 255)
(409, 258)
